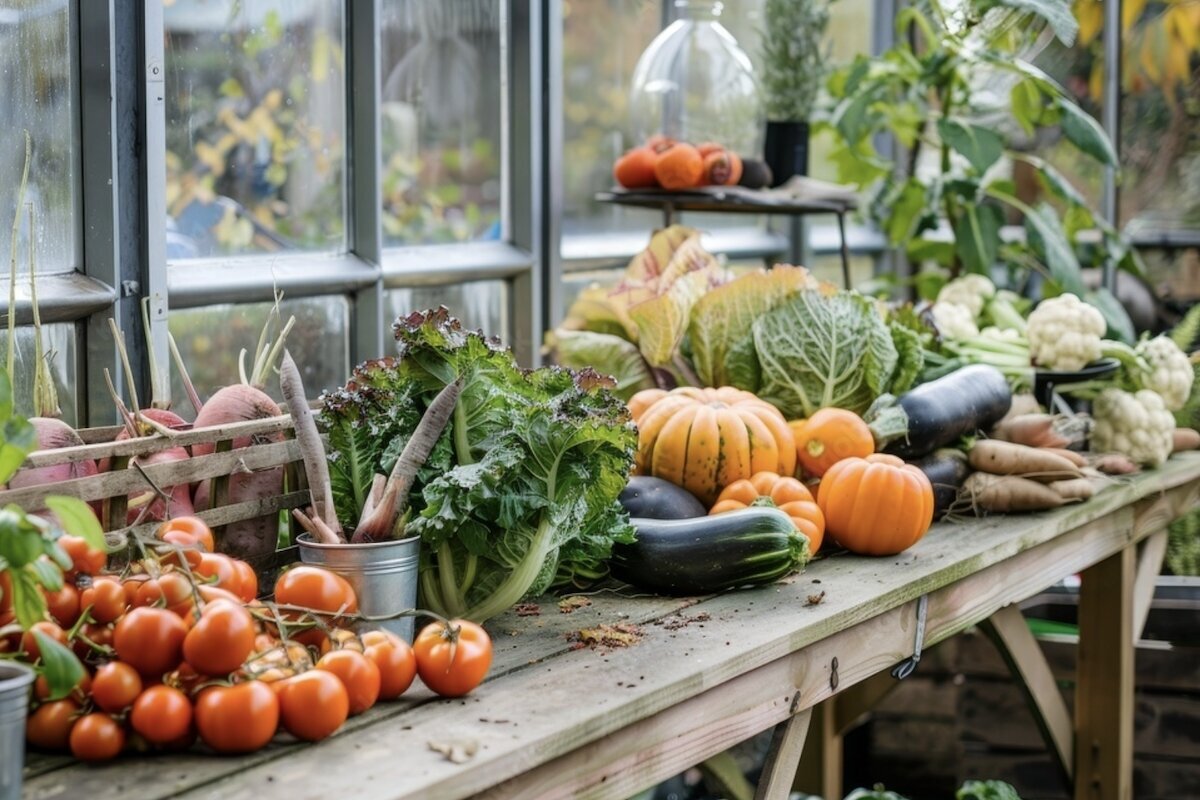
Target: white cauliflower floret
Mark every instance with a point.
(954, 321)
(1064, 333)
(969, 291)
(1137, 425)
(1170, 372)
(1002, 335)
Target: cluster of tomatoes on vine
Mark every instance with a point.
(173, 646)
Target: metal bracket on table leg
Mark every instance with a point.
(841, 218)
(909, 665)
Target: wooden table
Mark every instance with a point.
(807, 656)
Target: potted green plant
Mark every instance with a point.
(793, 59)
(955, 91)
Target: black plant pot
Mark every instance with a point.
(786, 150)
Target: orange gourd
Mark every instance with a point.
(785, 493)
(828, 436)
(876, 506)
(705, 439)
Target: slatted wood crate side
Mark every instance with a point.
(109, 490)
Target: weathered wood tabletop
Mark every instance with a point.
(559, 719)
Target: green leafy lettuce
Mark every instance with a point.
(520, 493)
(821, 348)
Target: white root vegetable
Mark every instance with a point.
(1033, 430)
(1006, 493)
(1114, 464)
(1185, 439)
(1074, 489)
(1078, 459)
(1006, 458)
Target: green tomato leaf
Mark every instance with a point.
(906, 211)
(1025, 100)
(20, 439)
(977, 236)
(1054, 181)
(986, 790)
(77, 519)
(942, 253)
(1120, 326)
(20, 542)
(1049, 242)
(982, 147)
(48, 574)
(60, 666)
(29, 603)
(854, 118)
(1083, 131)
(1057, 13)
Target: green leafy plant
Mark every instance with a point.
(936, 89)
(794, 55)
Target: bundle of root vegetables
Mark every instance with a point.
(664, 163)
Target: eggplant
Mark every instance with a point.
(655, 498)
(946, 470)
(701, 556)
(940, 412)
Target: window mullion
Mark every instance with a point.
(154, 188)
(364, 170)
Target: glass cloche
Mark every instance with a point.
(695, 84)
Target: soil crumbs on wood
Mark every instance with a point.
(679, 621)
(569, 605)
(604, 637)
(528, 610)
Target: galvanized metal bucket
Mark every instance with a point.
(383, 574)
(14, 701)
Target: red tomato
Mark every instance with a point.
(222, 640)
(237, 719)
(107, 600)
(29, 643)
(150, 640)
(131, 585)
(169, 589)
(359, 674)
(313, 704)
(453, 658)
(115, 686)
(248, 581)
(97, 737)
(162, 715)
(188, 548)
(63, 605)
(85, 559)
(315, 588)
(94, 632)
(195, 529)
(49, 725)
(397, 666)
(219, 569)
(212, 593)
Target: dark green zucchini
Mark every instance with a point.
(654, 498)
(700, 556)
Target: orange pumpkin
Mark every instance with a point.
(785, 493)
(705, 439)
(876, 506)
(828, 436)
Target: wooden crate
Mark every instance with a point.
(108, 491)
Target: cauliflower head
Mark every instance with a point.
(969, 291)
(1136, 424)
(1170, 374)
(954, 321)
(1065, 333)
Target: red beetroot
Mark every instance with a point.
(53, 434)
(241, 403)
(181, 496)
(168, 419)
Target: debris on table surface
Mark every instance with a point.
(622, 634)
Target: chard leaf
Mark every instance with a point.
(723, 317)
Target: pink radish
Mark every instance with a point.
(164, 417)
(54, 434)
(180, 503)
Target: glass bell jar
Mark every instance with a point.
(695, 83)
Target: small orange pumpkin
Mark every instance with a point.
(828, 436)
(876, 506)
(785, 493)
(705, 439)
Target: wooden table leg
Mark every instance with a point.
(1104, 684)
(820, 770)
(1149, 565)
(783, 757)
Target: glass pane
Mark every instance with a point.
(59, 341)
(256, 126)
(1160, 119)
(479, 304)
(39, 97)
(210, 339)
(442, 118)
